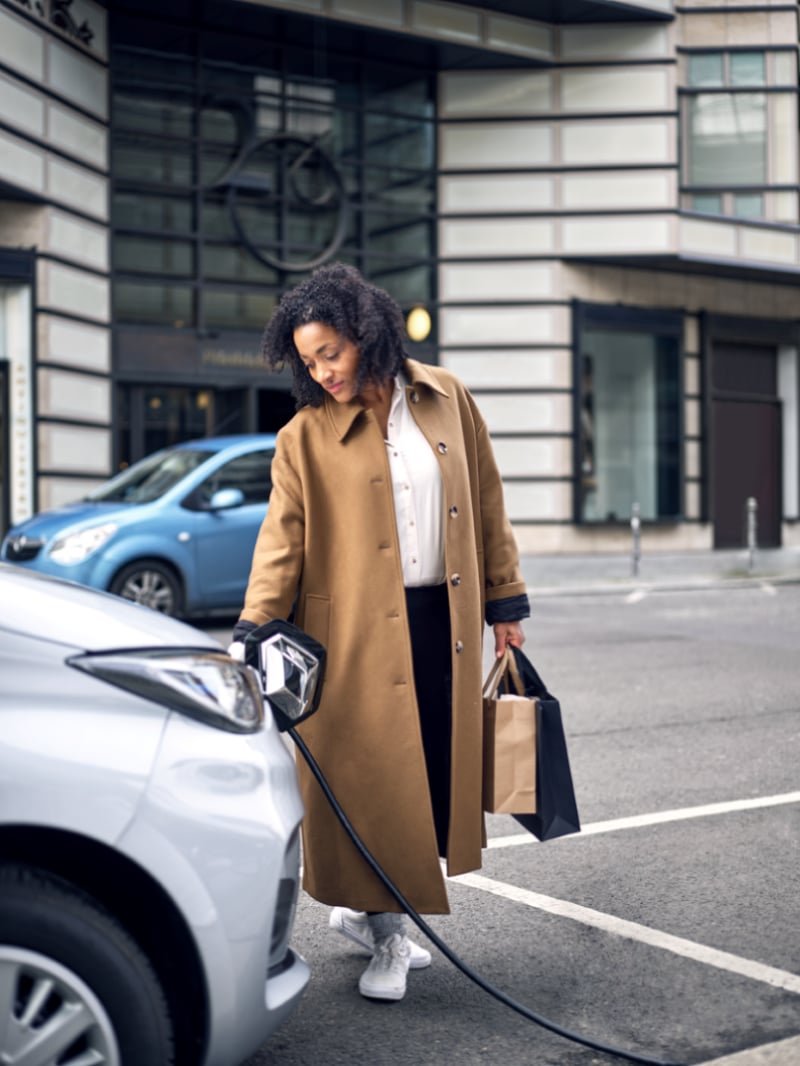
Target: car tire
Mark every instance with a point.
(150, 583)
(67, 965)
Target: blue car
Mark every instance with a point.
(174, 532)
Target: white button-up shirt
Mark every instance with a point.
(418, 494)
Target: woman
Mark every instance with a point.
(386, 537)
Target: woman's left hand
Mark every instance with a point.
(507, 633)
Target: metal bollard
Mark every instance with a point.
(751, 508)
(636, 527)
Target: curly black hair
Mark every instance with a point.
(337, 295)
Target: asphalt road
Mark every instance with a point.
(671, 926)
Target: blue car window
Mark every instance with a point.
(150, 478)
(250, 473)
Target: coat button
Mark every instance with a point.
(453, 511)
(459, 647)
(455, 579)
(442, 447)
(413, 396)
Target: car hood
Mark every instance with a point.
(83, 512)
(49, 608)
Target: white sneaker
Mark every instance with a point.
(385, 977)
(354, 925)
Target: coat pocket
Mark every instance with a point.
(316, 617)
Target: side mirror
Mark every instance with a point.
(290, 666)
(224, 499)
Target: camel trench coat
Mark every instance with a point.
(329, 549)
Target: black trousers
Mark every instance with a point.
(429, 621)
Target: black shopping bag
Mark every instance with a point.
(556, 809)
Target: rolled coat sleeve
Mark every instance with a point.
(279, 552)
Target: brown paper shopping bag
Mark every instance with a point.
(509, 743)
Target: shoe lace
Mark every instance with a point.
(391, 954)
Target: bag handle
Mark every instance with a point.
(504, 663)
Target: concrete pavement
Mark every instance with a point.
(548, 575)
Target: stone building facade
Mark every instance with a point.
(595, 203)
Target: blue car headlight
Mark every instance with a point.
(74, 547)
(206, 685)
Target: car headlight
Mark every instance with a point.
(206, 685)
(75, 547)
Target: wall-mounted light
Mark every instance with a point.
(418, 324)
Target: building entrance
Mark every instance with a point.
(746, 443)
(157, 416)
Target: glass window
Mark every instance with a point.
(629, 425)
(748, 205)
(151, 477)
(151, 256)
(249, 473)
(708, 203)
(706, 71)
(270, 154)
(728, 139)
(165, 304)
(144, 212)
(748, 68)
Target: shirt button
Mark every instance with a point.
(459, 647)
(442, 447)
(453, 511)
(455, 579)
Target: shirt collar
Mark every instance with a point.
(412, 374)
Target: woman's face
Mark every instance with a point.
(330, 358)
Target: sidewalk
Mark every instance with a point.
(602, 573)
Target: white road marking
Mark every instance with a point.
(781, 1053)
(770, 590)
(636, 596)
(721, 960)
(638, 821)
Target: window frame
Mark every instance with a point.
(659, 323)
(728, 191)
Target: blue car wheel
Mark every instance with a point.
(151, 583)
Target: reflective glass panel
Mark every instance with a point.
(706, 70)
(629, 425)
(166, 304)
(748, 205)
(152, 256)
(747, 68)
(708, 203)
(727, 139)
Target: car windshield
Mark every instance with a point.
(150, 478)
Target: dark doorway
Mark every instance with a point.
(746, 443)
(5, 462)
(156, 416)
(275, 408)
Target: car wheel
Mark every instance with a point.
(75, 988)
(150, 583)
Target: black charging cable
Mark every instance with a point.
(467, 970)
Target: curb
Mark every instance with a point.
(627, 586)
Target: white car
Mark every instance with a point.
(149, 846)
